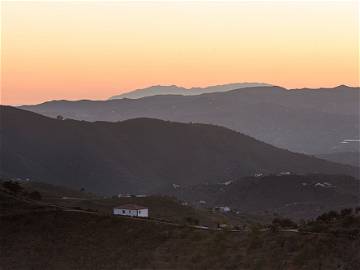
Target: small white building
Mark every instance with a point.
(131, 210)
(223, 209)
(284, 173)
(124, 195)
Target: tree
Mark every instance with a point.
(13, 187)
(274, 228)
(192, 221)
(35, 195)
(284, 223)
(328, 217)
(346, 212)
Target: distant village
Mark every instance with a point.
(134, 210)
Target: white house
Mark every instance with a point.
(131, 210)
(223, 209)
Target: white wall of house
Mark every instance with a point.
(132, 213)
(143, 212)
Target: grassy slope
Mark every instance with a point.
(68, 240)
(34, 235)
(160, 207)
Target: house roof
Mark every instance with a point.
(131, 207)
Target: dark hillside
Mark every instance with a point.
(69, 240)
(36, 235)
(296, 196)
(138, 156)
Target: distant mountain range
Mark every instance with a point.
(312, 121)
(140, 155)
(176, 90)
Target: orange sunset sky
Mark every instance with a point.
(93, 50)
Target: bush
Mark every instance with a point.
(317, 227)
(192, 221)
(273, 228)
(328, 217)
(284, 223)
(346, 212)
(13, 187)
(35, 195)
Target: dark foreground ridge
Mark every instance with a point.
(48, 237)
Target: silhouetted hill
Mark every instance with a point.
(176, 90)
(302, 120)
(140, 155)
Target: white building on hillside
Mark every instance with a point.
(223, 209)
(131, 210)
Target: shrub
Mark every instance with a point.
(346, 212)
(317, 227)
(13, 187)
(274, 228)
(328, 217)
(284, 223)
(35, 195)
(192, 221)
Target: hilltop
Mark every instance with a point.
(176, 90)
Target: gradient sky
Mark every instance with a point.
(93, 50)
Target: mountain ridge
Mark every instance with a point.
(140, 155)
(179, 90)
(304, 121)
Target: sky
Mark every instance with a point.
(97, 49)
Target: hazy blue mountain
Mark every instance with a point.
(311, 121)
(139, 155)
(176, 90)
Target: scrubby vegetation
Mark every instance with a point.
(12, 186)
(70, 240)
(16, 189)
(40, 235)
(345, 223)
(161, 207)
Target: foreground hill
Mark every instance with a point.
(312, 121)
(161, 208)
(136, 156)
(45, 238)
(176, 90)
